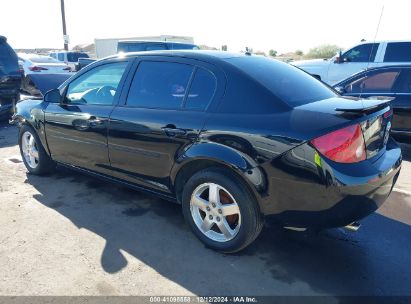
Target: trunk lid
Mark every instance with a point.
(374, 117)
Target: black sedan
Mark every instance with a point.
(231, 137)
(388, 81)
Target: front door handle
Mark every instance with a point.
(172, 130)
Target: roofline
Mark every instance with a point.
(155, 41)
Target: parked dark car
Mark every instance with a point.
(232, 137)
(10, 79)
(127, 46)
(387, 81)
(83, 62)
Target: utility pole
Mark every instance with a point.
(63, 19)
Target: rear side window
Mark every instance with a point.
(201, 91)
(8, 59)
(398, 52)
(374, 82)
(288, 83)
(159, 85)
(361, 53)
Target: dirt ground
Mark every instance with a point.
(70, 234)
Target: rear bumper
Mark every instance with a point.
(326, 194)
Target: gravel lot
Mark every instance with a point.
(70, 234)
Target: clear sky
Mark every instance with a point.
(285, 25)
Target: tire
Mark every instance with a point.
(244, 226)
(42, 164)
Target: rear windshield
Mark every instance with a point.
(290, 84)
(8, 59)
(73, 57)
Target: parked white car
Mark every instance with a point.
(358, 58)
(68, 57)
(35, 64)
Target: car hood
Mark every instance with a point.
(41, 83)
(316, 62)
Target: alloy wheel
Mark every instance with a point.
(30, 151)
(215, 212)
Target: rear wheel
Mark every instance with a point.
(221, 211)
(35, 158)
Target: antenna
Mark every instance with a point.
(375, 37)
(373, 44)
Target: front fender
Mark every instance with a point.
(31, 112)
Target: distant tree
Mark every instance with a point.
(260, 53)
(224, 48)
(272, 53)
(206, 47)
(299, 53)
(323, 51)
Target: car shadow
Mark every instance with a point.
(371, 262)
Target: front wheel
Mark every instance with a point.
(221, 211)
(35, 158)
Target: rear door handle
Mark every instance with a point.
(171, 130)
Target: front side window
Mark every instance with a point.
(201, 91)
(98, 86)
(398, 52)
(374, 82)
(60, 56)
(362, 53)
(159, 85)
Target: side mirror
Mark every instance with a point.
(340, 90)
(52, 96)
(338, 57)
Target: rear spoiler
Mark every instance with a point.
(367, 106)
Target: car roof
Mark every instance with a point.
(154, 41)
(204, 55)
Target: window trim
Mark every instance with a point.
(120, 87)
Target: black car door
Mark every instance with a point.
(402, 103)
(161, 115)
(76, 129)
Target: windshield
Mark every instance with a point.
(73, 57)
(292, 85)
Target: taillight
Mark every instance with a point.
(36, 68)
(344, 146)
